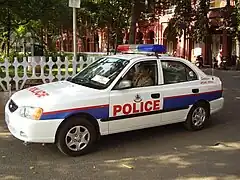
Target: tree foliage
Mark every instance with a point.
(236, 19)
(145, 9)
(46, 18)
(201, 24)
(191, 19)
(111, 15)
(20, 16)
(196, 18)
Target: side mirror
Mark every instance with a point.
(69, 79)
(124, 84)
(191, 74)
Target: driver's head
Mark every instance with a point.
(131, 73)
(144, 70)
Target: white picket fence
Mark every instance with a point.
(15, 75)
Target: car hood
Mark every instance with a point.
(53, 93)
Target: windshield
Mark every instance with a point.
(100, 74)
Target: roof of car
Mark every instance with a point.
(134, 56)
(127, 56)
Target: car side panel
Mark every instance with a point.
(179, 98)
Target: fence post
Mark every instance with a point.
(8, 78)
(16, 78)
(74, 66)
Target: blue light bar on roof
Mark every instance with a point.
(155, 48)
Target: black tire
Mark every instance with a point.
(76, 122)
(189, 123)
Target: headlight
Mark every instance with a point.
(31, 112)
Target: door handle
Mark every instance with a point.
(155, 96)
(195, 90)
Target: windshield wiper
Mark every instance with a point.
(79, 80)
(86, 82)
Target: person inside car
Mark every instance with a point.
(143, 77)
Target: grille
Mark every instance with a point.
(12, 106)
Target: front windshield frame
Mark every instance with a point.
(101, 73)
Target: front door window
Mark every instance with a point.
(142, 74)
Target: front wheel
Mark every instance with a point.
(76, 137)
(198, 117)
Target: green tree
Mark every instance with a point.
(49, 17)
(201, 27)
(192, 21)
(236, 15)
(183, 16)
(111, 15)
(145, 9)
(40, 18)
(114, 15)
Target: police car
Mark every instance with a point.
(104, 98)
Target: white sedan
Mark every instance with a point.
(115, 94)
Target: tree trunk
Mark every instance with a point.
(82, 34)
(42, 41)
(208, 50)
(190, 46)
(184, 43)
(61, 40)
(108, 40)
(134, 18)
(9, 32)
(228, 2)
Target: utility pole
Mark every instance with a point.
(74, 4)
(74, 34)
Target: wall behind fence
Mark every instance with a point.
(20, 73)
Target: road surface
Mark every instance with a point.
(168, 152)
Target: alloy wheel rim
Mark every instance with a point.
(198, 116)
(77, 138)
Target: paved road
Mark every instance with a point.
(168, 152)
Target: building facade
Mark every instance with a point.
(155, 32)
(220, 44)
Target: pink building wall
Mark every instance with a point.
(159, 28)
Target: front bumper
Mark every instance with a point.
(35, 131)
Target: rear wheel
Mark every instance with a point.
(76, 137)
(198, 117)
